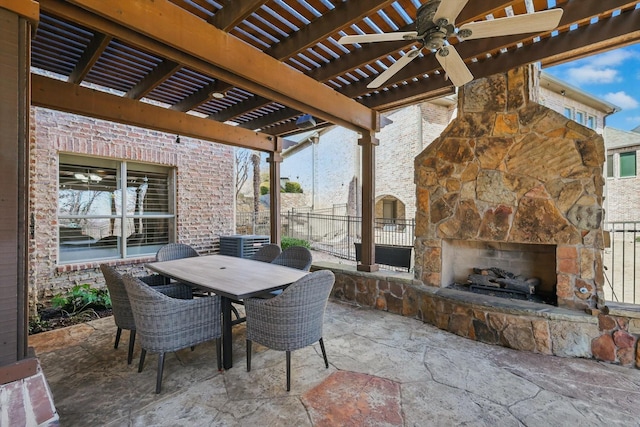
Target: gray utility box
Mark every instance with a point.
(242, 246)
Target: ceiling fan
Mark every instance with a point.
(435, 23)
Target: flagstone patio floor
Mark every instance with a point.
(385, 370)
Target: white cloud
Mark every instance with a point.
(621, 99)
(590, 74)
(612, 58)
(633, 119)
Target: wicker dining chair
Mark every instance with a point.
(172, 251)
(121, 307)
(291, 320)
(267, 253)
(166, 324)
(295, 257)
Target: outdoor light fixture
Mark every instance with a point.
(305, 121)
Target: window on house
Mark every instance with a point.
(568, 113)
(109, 209)
(609, 165)
(591, 122)
(389, 211)
(580, 117)
(628, 164)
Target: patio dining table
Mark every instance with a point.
(234, 279)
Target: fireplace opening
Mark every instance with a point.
(509, 270)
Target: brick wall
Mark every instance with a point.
(204, 189)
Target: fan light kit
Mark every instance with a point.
(435, 23)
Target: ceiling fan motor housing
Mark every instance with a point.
(432, 35)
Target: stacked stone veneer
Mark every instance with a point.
(520, 325)
(510, 170)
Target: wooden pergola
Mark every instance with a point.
(240, 72)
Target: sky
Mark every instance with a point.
(613, 76)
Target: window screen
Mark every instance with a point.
(628, 164)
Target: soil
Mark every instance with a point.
(52, 318)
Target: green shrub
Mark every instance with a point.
(81, 298)
(292, 187)
(290, 241)
(264, 189)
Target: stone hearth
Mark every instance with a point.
(508, 171)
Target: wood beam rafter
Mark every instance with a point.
(155, 78)
(171, 25)
(28, 9)
(234, 12)
(89, 57)
(200, 97)
(58, 95)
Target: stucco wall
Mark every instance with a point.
(204, 188)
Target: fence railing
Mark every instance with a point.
(333, 234)
(621, 259)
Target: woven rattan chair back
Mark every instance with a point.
(295, 257)
(175, 251)
(267, 253)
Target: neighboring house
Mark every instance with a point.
(321, 159)
(178, 189)
(622, 189)
(327, 163)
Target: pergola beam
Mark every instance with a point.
(59, 95)
(172, 25)
(234, 12)
(89, 57)
(162, 72)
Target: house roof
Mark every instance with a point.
(617, 138)
(258, 65)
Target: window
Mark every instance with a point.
(628, 164)
(580, 117)
(591, 122)
(568, 113)
(92, 222)
(609, 165)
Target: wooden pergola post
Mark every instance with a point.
(368, 143)
(16, 19)
(275, 158)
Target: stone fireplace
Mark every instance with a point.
(515, 184)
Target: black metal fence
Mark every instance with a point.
(622, 277)
(328, 232)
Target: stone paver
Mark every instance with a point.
(384, 370)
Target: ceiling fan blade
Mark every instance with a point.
(449, 9)
(386, 75)
(453, 65)
(384, 37)
(546, 20)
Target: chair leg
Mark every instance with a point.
(160, 369)
(118, 333)
(219, 353)
(324, 353)
(143, 353)
(288, 370)
(248, 355)
(132, 341)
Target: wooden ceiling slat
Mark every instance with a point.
(344, 14)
